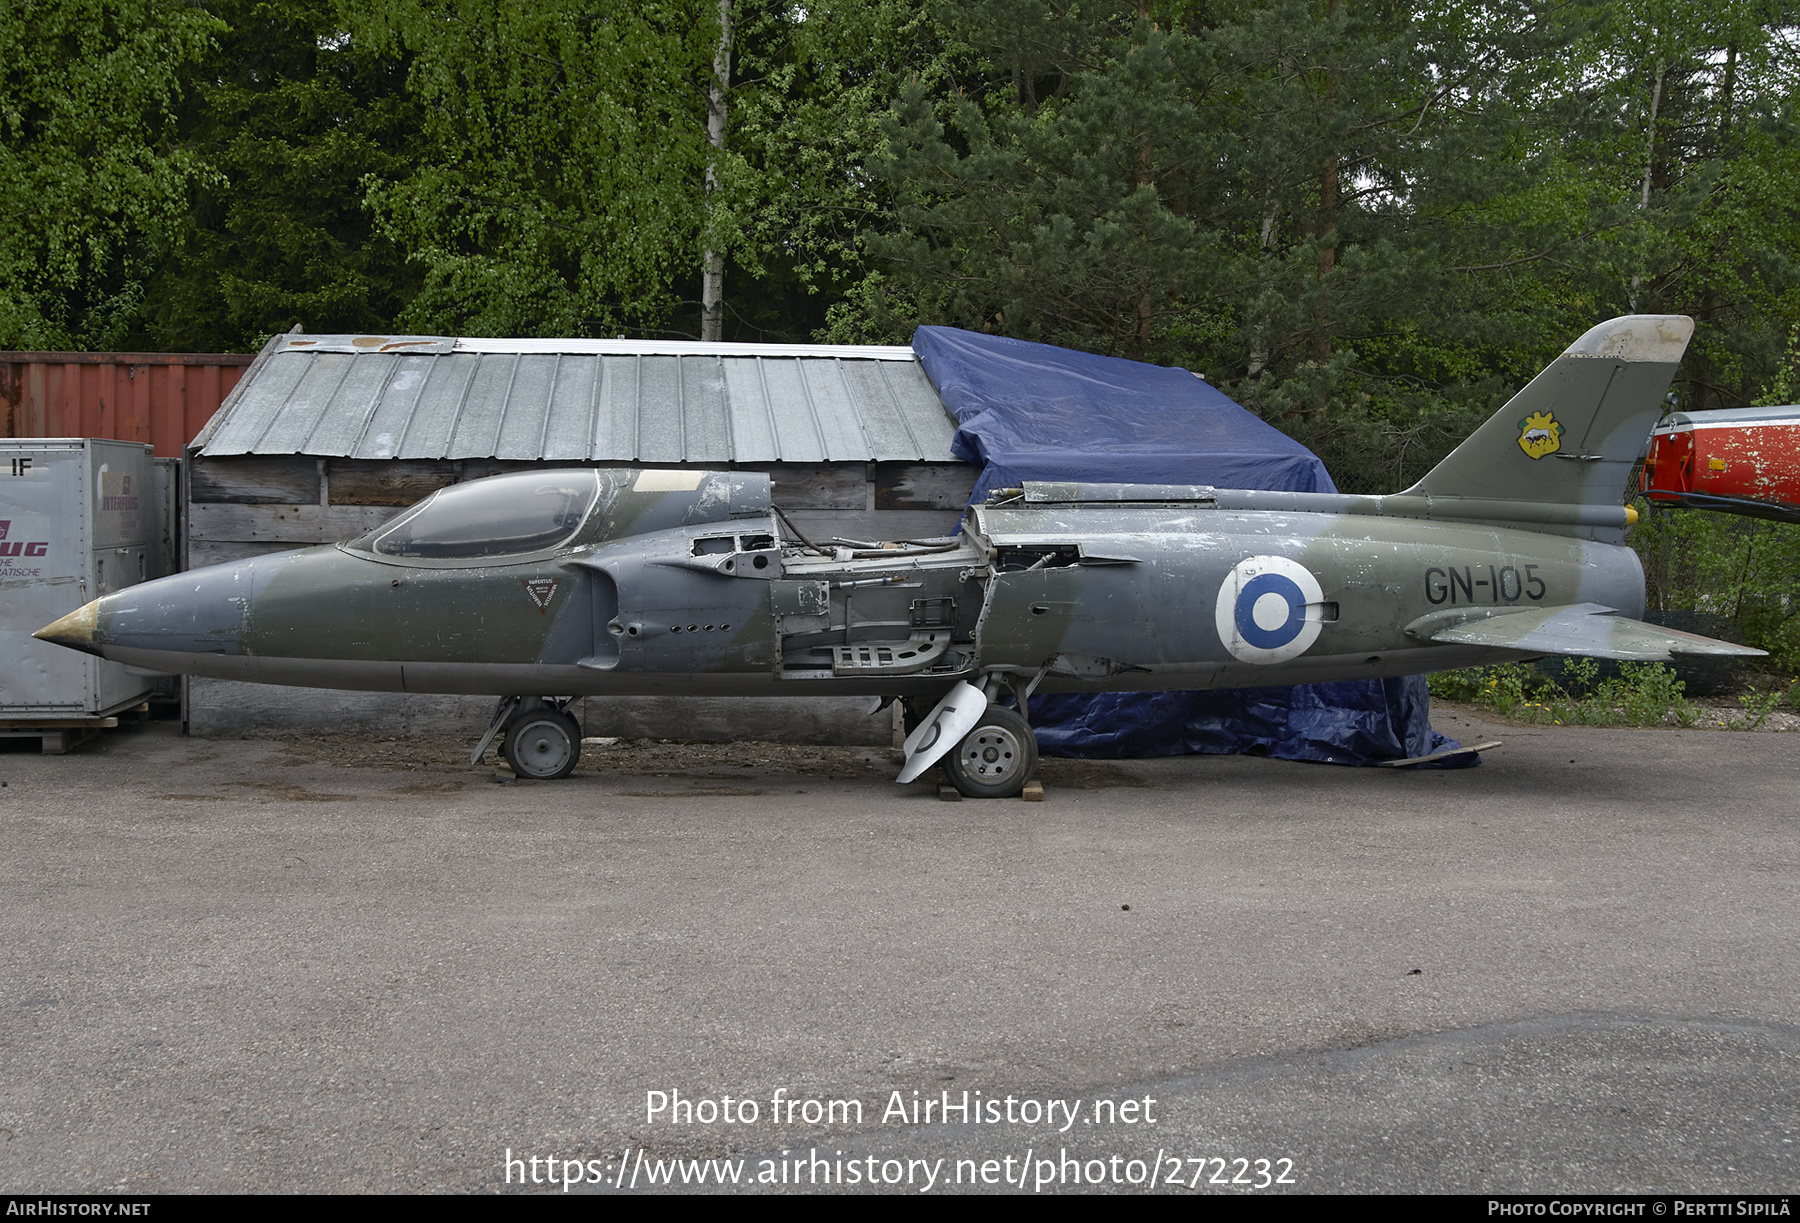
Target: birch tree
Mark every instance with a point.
(92, 187)
(559, 190)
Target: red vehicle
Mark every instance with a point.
(1738, 460)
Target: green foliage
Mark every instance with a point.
(1060, 202)
(1369, 223)
(1647, 694)
(1500, 688)
(811, 91)
(1270, 193)
(1783, 386)
(1757, 706)
(1743, 568)
(292, 114)
(92, 185)
(1644, 694)
(557, 189)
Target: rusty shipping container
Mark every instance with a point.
(163, 399)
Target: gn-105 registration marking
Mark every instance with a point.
(1453, 584)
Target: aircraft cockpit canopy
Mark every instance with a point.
(528, 511)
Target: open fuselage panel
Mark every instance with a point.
(874, 613)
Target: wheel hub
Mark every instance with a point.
(991, 753)
(541, 748)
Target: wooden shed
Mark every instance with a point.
(329, 436)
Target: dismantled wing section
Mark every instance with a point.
(1579, 628)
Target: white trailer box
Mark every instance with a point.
(79, 518)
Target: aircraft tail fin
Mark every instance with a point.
(1574, 433)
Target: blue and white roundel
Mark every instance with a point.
(1262, 615)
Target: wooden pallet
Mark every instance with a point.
(57, 736)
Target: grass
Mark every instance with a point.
(1644, 694)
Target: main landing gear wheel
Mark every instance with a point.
(542, 745)
(995, 759)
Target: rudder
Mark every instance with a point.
(1573, 434)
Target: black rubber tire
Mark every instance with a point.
(542, 745)
(995, 759)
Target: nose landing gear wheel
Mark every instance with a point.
(995, 759)
(543, 745)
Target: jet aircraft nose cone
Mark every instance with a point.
(75, 630)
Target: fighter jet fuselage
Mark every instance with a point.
(654, 582)
(1160, 592)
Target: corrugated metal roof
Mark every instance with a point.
(433, 397)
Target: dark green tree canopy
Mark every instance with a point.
(1366, 221)
(557, 187)
(292, 115)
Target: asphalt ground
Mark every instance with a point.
(247, 965)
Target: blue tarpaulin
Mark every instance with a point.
(1356, 722)
(1029, 411)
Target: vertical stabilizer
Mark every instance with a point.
(1574, 433)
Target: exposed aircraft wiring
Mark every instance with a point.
(808, 544)
(877, 554)
(894, 579)
(903, 547)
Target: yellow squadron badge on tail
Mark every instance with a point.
(1540, 434)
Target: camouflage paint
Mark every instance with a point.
(682, 581)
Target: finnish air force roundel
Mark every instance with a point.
(1261, 610)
